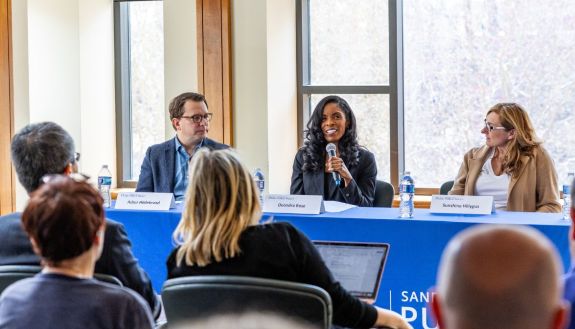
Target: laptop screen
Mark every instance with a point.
(357, 266)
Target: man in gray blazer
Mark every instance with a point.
(165, 167)
(46, 148)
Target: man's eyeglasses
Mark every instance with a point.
(197, 118)
(76, 156)
(491, 127)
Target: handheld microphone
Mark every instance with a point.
(331, 152)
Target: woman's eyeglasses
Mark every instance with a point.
(491, 127)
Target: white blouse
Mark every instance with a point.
(490, 184)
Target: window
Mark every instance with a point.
(455, 59)
(347, 56)
(139, 83)
(462, 57)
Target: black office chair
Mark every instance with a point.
(12, 273)
(446, 187)
(383, 194)
(192, 298)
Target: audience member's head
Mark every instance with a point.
(40, 149)
(221, 202)
(247, 321)
(499, 277)
(64, 218)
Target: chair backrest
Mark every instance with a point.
(383, 194)
(445, 187)
(108, 279)
(12, 273)
(191, 298)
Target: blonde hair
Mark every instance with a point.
(513, 116)
(221, 202)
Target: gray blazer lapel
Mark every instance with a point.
(170, 156)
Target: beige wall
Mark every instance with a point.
(97, 96)
(281, 92)
(64, 73)
(180, 52)
(20, 76)
(249, 84)
(264, 87)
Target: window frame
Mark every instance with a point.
(394, 89)
(123, 101)
(122, 93)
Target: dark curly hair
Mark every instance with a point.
(314, 146)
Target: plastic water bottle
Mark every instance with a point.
(104, 184)
(260, 181)
(567, 195)
(406, 193)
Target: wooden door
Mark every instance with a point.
(6, 117)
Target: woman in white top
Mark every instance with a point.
(512, 166)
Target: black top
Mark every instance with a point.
(117, 258)
(280, 251)
(360, 192)
(56, 301)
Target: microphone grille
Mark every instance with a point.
(330, 147)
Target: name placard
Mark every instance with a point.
(461, 204)
(145, 201)
(294, 204)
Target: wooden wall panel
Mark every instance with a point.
(6, 116)
(214, 64)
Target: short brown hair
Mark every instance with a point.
(63, 217)
(176, 107)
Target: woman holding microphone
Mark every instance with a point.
(345, 171)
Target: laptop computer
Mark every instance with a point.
(357, 266)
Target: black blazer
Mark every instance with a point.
(157, 171)
(117, 258)
(360, 191)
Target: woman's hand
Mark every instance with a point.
(336, 164)
(390, 319)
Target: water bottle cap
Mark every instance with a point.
(407, 173)
(104, 166)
